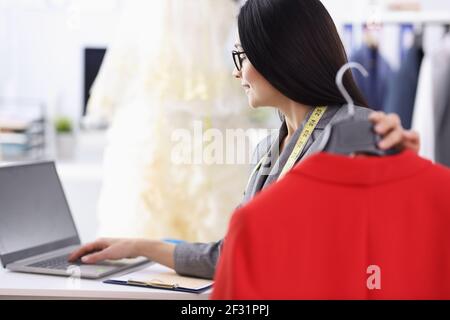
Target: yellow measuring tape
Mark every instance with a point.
(303, 139)
(299, 145)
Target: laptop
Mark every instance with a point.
(37, 231)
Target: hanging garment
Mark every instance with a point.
(199, 259)
(423, 115)
(441, 96)
(167, 76)
(375, 86)
(337, 227)
(402, 95)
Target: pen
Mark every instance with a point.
(157, 284)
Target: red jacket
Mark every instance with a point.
(337, 227)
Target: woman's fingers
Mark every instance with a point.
(393, 139)
(384, 123)
(98, 256)
(88, 248)
(125, 248)
(401, 139)
(389, 127)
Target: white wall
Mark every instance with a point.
(41, 50)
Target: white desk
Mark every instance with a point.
(14, 285)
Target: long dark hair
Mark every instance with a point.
(295, 45)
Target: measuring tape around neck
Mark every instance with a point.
(299, 145)
(303, 139)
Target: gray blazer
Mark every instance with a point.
(199, 259)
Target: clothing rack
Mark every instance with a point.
(410, 89)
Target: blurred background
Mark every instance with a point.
(101, 85)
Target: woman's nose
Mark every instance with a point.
(236, 73)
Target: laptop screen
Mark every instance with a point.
(34, 214)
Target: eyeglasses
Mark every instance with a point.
(238, 59)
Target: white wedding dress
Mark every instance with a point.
(169, 69)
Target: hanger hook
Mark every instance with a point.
(340, 85)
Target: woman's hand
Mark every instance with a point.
(114, 249)
(106, 249)
(394, 136)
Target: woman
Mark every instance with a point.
(287, 57)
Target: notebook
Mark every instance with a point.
(160, 277)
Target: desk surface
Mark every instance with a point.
(26, 286)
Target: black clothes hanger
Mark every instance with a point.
(351, 136)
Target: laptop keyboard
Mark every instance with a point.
(58, 263)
